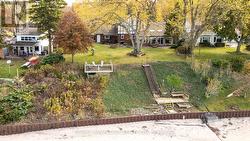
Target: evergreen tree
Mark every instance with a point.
(174, 23)
(45, 14)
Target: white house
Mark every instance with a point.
(28, 42)
(209, 37)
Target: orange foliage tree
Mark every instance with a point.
(72, 34)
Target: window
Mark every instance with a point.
(31, 49)
(219, 40)
(206, 39)
(36, 48)
(21, 48)
(122, 36)
(160, 41)
(106, 37)
(22, 38)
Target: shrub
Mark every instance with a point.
(16, 105)
(174, 82)
(49, 70)
(237, 63)
(220, 63)
(174, 46)
(220, 44)
(207, 44)
(53, 59)
(104, 81)
(97, 107)
(183, 50)
(247, 67)
(53, 106)
(33, 75)
(213, 87)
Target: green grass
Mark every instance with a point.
(127, 89)
(192, 84)
(221, 52)
(119, 55)
(4, 68)
(222, 103)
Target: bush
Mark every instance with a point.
(104, 81)
(174, 82)
(220, 44)
(33, 75)
(237, 63)
(207, 44)
(97, 107)
(183, 50)
(174, 46)
(220, 63)
(53, 106)
(49, 70)
(179, 43)
(16, 105)
(247, 67)
(53, 59)
(213, 87)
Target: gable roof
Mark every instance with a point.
(157, 29)
(28, 31)
(107, 30)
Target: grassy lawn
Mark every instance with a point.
(210, 53)
(4, 68)
(119, 55)
(191, 80)
(128, 88)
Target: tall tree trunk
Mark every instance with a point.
(72, 58)
(238, 46)
(50, 43)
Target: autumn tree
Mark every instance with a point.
(236, 23)
(45, 14)
(134, 16)
(201, 16)
(72, 34)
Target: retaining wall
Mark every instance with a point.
(15, 129)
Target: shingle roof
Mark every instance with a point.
(157, 29)
(107, 30)
(28, 31)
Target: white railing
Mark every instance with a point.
(98, 68)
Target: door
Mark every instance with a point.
(98, 38)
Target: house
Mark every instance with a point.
(156, 35)
(106, 34)
(209, 37)
(28, 42)
(116, 34)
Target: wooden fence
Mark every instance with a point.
(15, 129)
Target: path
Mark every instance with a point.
(153, 85)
